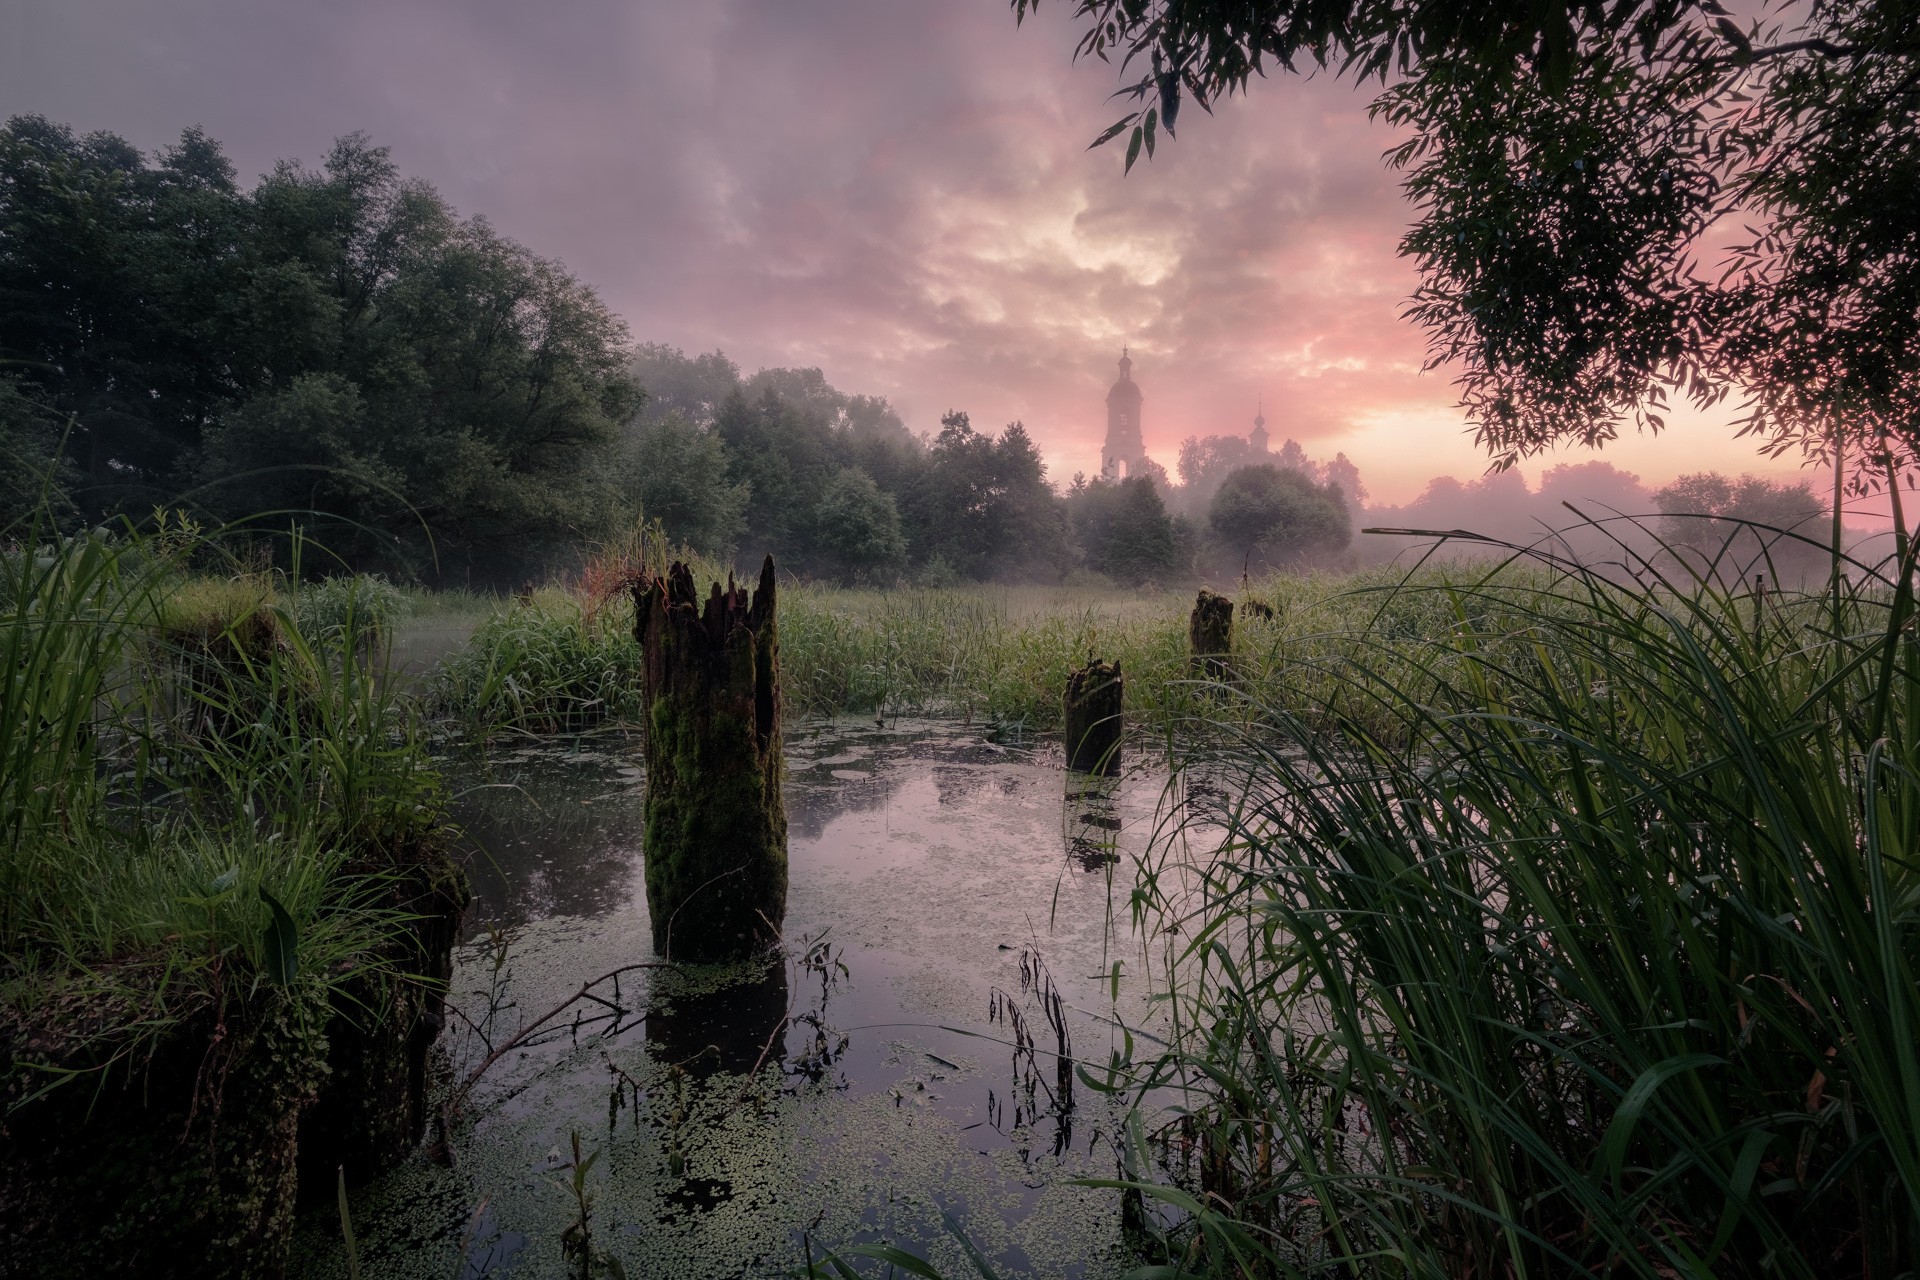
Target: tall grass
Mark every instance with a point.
(563, 659)
(1578, 938)
(193, 792)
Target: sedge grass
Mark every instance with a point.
(1587, 948)
(195, 796)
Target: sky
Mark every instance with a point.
(896, 191)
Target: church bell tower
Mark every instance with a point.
(1124, 451)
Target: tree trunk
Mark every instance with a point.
(1210, 634)
(716, 839)
(1093, 714)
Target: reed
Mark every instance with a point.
(1576, 936)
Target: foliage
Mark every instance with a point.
(856, 529)
(545, 666)
(833, 484)
(1123, 530)
(1278, 515)
(32, 473)
(1726, 528)
(983, 506)
(334, 345)
(678, 475)
(1598, 960)
(1568, 162)
(363, 605)
(187, 788)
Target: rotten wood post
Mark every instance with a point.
(1093, 715)
(716, 835)
(1210, 634)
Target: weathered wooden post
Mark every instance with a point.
(1093, 715)
(716, 838)
(1210, 634)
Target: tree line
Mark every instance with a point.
(334, 349)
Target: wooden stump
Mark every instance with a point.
(374, 1103)
(1094, 720)
(716, 837)
(1210, 634)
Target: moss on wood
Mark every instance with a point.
(181, 1163)
(716, 825)
(372, 1108)
(1210, 635)
(1094, 720)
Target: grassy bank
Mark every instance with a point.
(565, 659)
(1593, 954)
(208, 795)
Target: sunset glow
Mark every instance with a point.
(899, 193)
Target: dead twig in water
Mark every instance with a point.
(521, 1036)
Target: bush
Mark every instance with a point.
(364, 605)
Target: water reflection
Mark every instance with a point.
(736, 1028)
(1090, 818)
(948, 961)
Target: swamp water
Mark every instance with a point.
(957, 906)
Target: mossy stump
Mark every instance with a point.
(372, 1108)
(1210, 635)
(1094, 718)
(219, 669)
(176, 1160)
(716, 825)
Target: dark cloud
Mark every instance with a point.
(895, 190)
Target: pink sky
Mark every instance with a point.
(897, 191)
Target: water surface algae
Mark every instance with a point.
(758, 1173)
(868, 1120)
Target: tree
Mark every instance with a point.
(983, 506)
(32, 476)
(1123, 529)
(1736, 528)
(1276, 515)
(692, 386)
(450, 395)
(790, 438)
(856, 532)
(1568, 162)
(677, 474)
(310, 448)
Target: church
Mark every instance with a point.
(1125, 452)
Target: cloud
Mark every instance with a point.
(898, 191)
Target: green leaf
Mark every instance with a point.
(1114, 130)
(966, 1246)
(1133, 150)
(346, 1229)
(1613, 1148)
(223, 882)
(897, 1257)
(281, 942)
(1153, 116)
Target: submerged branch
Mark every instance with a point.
(521, 1036)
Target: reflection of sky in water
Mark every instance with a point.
(930, 860)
